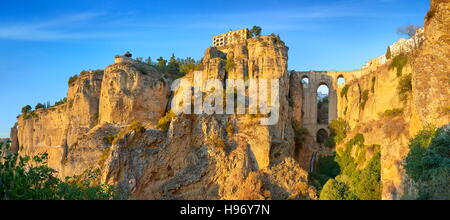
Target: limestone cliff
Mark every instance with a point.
(110, 122)
(374, 106)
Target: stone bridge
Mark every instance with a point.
(311, 81)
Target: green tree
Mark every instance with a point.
(255, 31)
(161, 62)
(428, 163)
(26, 109)
(408, 30)
(25, 178)
(339, 129)
(149, 61)
(39, 106)
(173, 66)
(335, 190)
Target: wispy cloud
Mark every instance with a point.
(65, 27)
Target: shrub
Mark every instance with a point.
(374, 80)
(326, 169)
(72, 80)
(364, 98)
(334, 190)
(61, 102)
(404, 88)
(230, 129)
(344, 91)
(108, 140)
(230, 65)
(25, 178)
(428, 163)
(164, 122)
(399, 62)
(339, 129)
(430, 15)
(388, 53)
(39, 106)
(220, 143)
(255, 32)
(135, 126)
(392, 113)
(300, 133)
(357, 140)
(26, 109)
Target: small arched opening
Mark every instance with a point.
(323, 96)
(322, 136)
(305, 82)
(340, 80)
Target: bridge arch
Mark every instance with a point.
(305, 81)
(323, 103)
(340, 80)
(322, 136)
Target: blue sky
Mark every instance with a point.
(43, 43)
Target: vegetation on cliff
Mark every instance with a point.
(399, 62)
(175, 66)
(343, 178)
(25, 178)
(428, 163)
(404, 87)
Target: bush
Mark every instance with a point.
(344, 91)
(164, 122)
(135, 126)
(428, 163)
(364, 98)
(374, 80)
(334, 190)
(23, 178)
(339, 129)
(358, 140)
(392, 113)
(388, 53)
(26, 109)
(326, 169)
(404, 88)
(430, 15)
(230, 65)
(61, 102)
(72, 80)
(399, 62)
(255, 32)
(300, 133)
(39, 106)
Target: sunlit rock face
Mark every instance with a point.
(132, 91)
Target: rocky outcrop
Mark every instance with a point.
(109, 123)
(431, 68)
(132, 91)
(83, 100)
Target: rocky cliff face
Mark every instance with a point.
(109, 122)
(373, 107)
